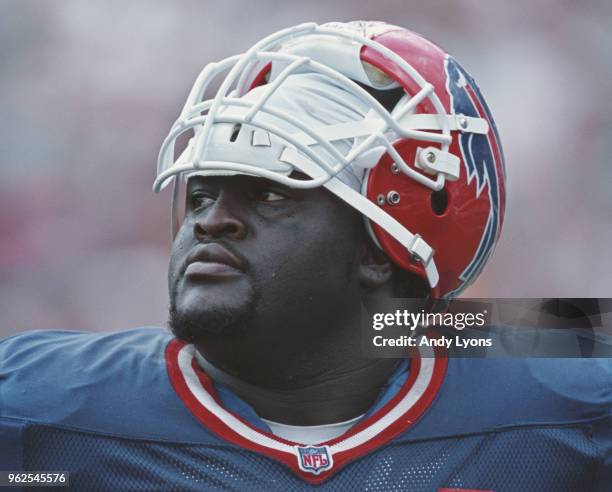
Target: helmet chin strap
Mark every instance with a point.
(414, 244)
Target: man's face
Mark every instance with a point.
(255, 255)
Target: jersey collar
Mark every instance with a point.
(316, 463)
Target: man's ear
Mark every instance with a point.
(375, 269)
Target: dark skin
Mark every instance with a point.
(280, 327)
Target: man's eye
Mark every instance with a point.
(270, 196)
(199, 200)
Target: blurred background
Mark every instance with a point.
(90, 89)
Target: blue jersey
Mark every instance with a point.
(134, 411)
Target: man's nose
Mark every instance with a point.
(220, 220)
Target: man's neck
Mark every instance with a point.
(329, 397)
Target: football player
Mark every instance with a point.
(336, 165)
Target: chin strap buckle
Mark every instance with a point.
(423, 252)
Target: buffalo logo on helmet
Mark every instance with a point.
(479, 153)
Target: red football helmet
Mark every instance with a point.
(431, 167)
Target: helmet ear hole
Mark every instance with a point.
(439, 201)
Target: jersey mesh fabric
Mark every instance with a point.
(526, 459)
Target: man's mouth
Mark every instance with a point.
(213, 260)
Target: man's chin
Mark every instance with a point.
(195, 326)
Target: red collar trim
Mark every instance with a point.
(316, 463)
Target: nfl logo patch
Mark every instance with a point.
(314, 459)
